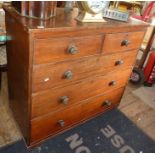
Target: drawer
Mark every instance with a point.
(55, 99)
(56, 122)
(59, 49)
(48, 76)
(122, 41)
(51, 124)
(98, 104)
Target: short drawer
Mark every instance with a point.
(122, 41)
(48, 76)
(61, 120)
(55, 99)
(60, 49)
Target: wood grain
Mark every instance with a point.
(52, 75)
(56, 49)
(97, 105)
(49, 100)
(112, 42)
(84, 110)
(18, 73)
(65, 24)
(35, 9)
(36, 43)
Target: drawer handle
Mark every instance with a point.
(107, 103)
(72, 49)
(61, 123)
(119, 62)
(64, 99)
(125, 43)
(112, 83)
(68, 75)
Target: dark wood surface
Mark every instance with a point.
(52, 75)
(35, 9)
(18, 73)
(73, 115)
(57, 49)
(66, 21)
(113, 42)
(80, 90)
(35, 52)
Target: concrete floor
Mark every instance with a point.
(138, 111)
(135, 109)
(9, 131)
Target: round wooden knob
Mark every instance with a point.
(68, 75)
(61, 123)
(64, 99)
(119, 62)
(72, 49)
(125, 43)
(112, 83)
(107, 103)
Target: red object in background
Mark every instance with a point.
(149, 70)
(146, 14)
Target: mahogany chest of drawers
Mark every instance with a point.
(62, 72)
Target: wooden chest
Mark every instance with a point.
(62, 72)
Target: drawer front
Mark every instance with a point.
(54, 99)
(99, 104)
(48, 76)
(122, 41)
(51, 124)
(61, 120)
(60, 49)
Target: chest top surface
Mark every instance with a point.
(67, 21)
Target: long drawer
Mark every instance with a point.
(48, 76)
(122, 41)
(58, 121)
(60, 49)
(98, 104)
(54, 99)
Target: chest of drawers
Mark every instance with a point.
(62, 72)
